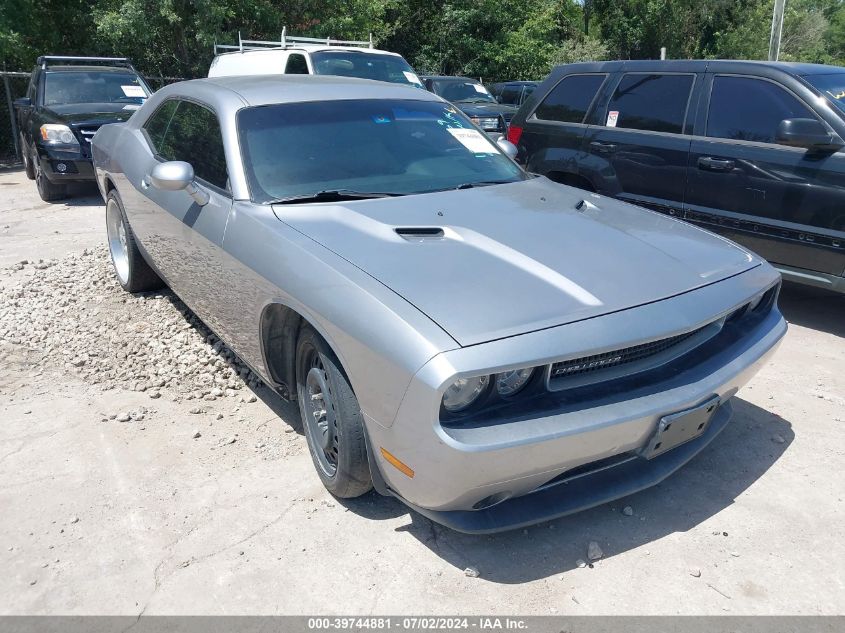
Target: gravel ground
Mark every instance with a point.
(74, 312)
(144, 470)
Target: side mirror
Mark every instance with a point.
(23, 102)
(177, 175)
(507, 147)
(808, 133)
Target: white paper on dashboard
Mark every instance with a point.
(480, 88)
(411, 77)
(473, 140)
(133, 91)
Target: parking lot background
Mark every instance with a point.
(145, 517)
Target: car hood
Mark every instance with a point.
(518, 257)
(93, 113)
(485, 109)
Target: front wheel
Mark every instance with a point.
(331, 417)
(133, 272)
(48, 191)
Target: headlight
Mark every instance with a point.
(59, 134)
(463, 392)
(510, 382)
(486, 123)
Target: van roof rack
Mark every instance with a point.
(288, 41)
(58, 60)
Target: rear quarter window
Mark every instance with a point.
(570, 99)
(653, 102)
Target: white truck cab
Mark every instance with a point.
(311, 56)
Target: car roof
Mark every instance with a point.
(700, 65)
(64, 68)
(310, 48)
(254, 90)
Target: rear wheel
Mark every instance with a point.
(133, 272)
(331, 417)
(28, 167)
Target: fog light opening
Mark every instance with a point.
(61, 167)
(492, 500)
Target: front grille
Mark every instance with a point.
(616, 358)
(87, 133)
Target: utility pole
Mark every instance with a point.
(777, 30)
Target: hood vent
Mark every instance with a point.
(420, 233)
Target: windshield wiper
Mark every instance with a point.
(334, 195)
(482, 183)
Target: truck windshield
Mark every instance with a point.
(384, 146)
(364, 65)
(93, 86)
(831, 86)
(462, 91)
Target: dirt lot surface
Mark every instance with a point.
(203, 499)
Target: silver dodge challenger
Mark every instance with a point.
(492, 348)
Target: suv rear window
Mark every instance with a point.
(569, 101)
(657, 103)
(748, 109)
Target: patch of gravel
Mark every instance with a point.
(73, 312)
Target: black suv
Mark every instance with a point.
(751, 150)
(67, 101)
(513, 93)
(472, 98)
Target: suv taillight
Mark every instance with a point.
(514, 134)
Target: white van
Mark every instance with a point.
(311, 56)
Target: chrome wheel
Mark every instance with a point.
(118, 247)
(320, 416)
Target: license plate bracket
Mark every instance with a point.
(678, 428)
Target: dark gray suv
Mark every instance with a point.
(751, 150)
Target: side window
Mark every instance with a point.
(296, 65)
(156, 126)
(747, 109)
(570, 99)
(510, 95)
(652, 102)
(194, 136)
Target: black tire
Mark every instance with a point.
(47, 190)
(28, 167)
(340, 453)
(135, 274)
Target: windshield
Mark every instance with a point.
(380, 67)
(383, 146)
(832, 86)
(93, 86)
(467, 91)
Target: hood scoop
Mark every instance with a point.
(415, 234)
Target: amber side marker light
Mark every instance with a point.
(396, 463)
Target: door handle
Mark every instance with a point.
(715, 164)
(605, 148)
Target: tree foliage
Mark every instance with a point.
(491, 39)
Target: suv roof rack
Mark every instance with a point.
(288, 41)
(57, 60)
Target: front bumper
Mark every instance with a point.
(77, 165)
(455, 468)
(581, 491)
